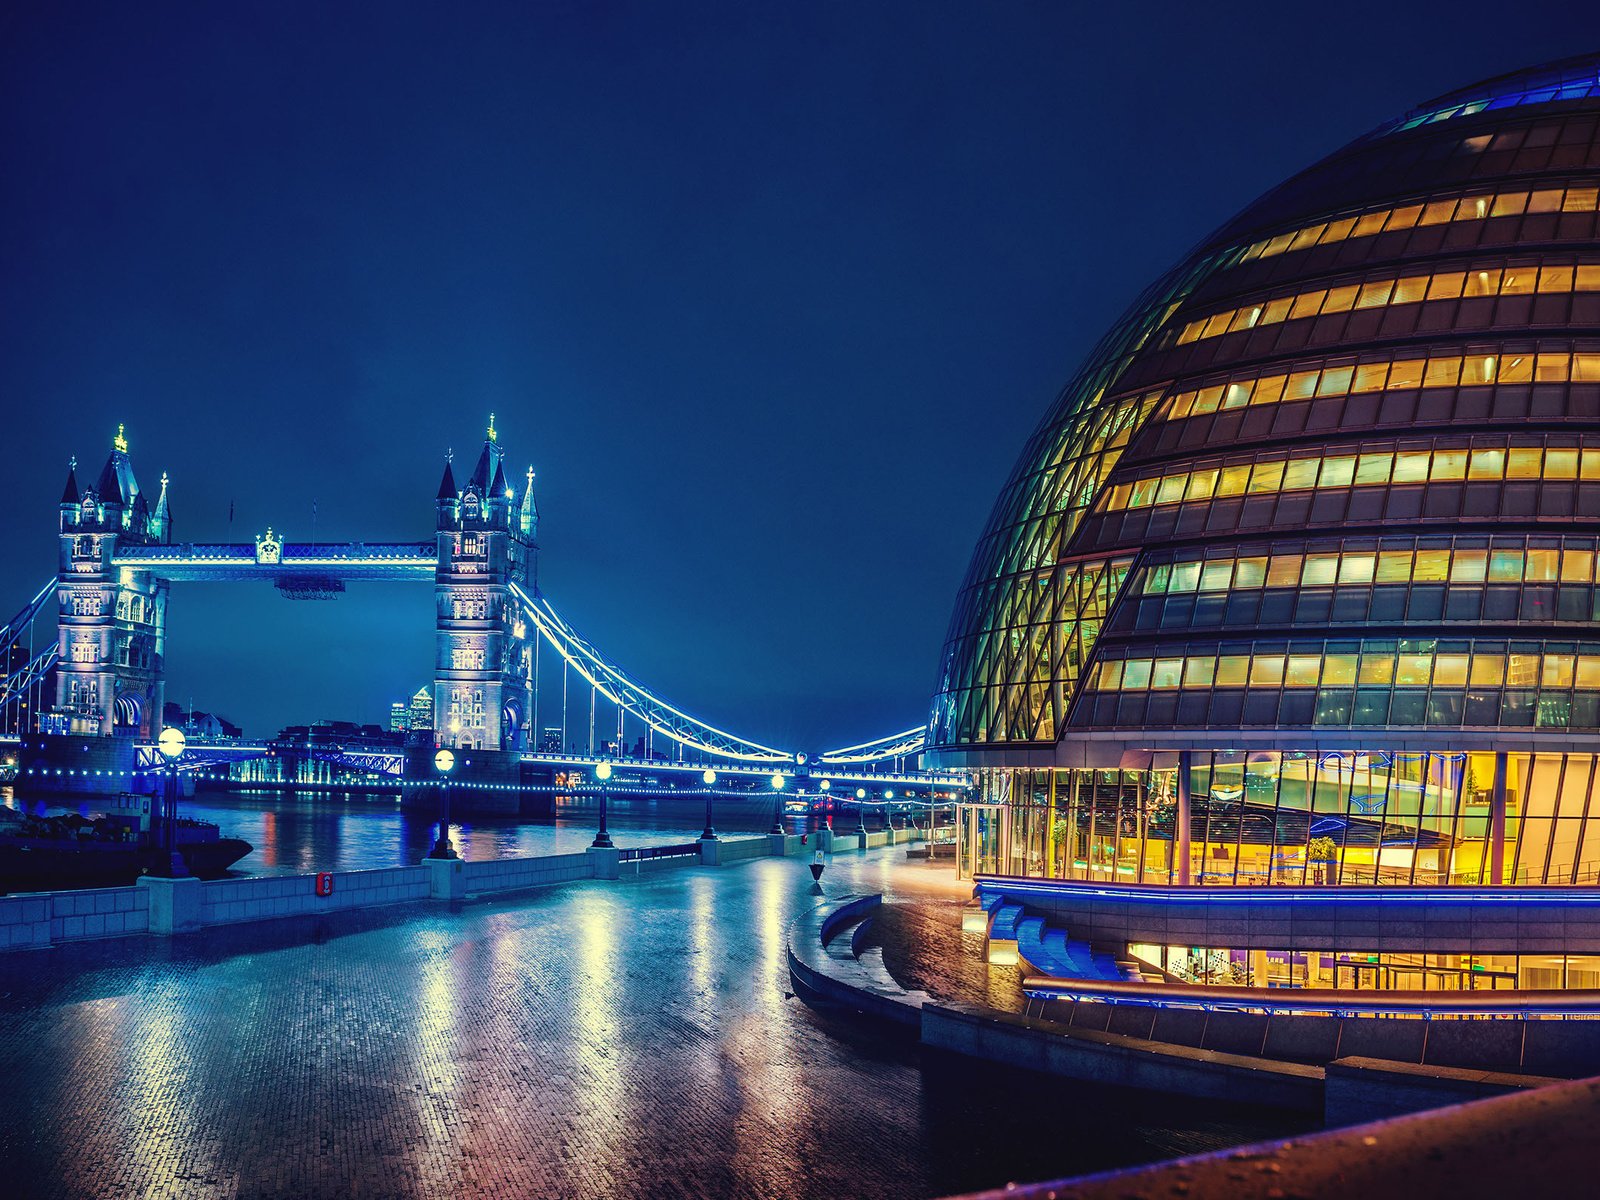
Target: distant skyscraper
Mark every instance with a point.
(422, 709)
(399, 716)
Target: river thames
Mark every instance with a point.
(307, 831)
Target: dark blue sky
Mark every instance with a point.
(770, 299)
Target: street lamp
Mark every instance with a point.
(708, 777)
(602, 837)
(444, 761)
(888, 808)
(777, 802)
(169, 863)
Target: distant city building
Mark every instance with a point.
(345, 734)
(199, 724)
(421, 712)
(399, 717)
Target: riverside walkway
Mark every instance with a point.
(595, 1039)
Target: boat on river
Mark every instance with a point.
(106, 849)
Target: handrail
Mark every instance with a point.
(641, 853)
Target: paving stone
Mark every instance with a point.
(595, 1039)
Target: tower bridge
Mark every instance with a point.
(82, 664)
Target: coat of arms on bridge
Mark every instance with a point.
(268, 548)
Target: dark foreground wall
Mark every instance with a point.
(1533, 1143)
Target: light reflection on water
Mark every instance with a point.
(299, 832)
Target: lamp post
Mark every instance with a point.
(777, 802)
(708, 777)
(444, 761)
(861, 816)
(888, 809)
(602, 837)
(169, 863)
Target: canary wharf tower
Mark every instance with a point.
(1306, 553)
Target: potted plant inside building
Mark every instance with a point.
(1322, 852)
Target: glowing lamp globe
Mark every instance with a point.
(708, 777)
(603, 771)
(171, 743)
(444, 761)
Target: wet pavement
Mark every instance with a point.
(594, 1040)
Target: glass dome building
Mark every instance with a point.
(1296, 582)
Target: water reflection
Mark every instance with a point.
(302, 832)
(438, 1064)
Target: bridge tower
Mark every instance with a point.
(112, 622)
(488, 540)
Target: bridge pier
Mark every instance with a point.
(483, 783)
(77, 765)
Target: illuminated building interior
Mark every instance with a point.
(1295, 583)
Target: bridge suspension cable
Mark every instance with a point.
(26, 680)
(897, 745)
(24, 618)
(625, 692)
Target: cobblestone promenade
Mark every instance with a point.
(594, 1040)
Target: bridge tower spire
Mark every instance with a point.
(482, 696)
(112, 622)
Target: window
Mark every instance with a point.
(1435, 212)
(1368, 469)
(1412, 289)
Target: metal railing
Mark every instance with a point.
(1493, 1002)
(643, 853)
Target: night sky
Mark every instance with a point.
(769, 299)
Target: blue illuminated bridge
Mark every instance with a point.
(527, 701)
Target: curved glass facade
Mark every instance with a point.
(1326, 498)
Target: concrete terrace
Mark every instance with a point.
(599, 1038)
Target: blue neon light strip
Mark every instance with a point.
(1160, 893)
(1582, 89)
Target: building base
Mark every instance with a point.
(51, 765)
(483, 783)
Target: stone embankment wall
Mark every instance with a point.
(37, 919)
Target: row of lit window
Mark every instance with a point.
(1352, 470)
(1384, 668)
(1434, 212)
(1434, 371)
(1383, 293)
(1511, 565)
(1571, 90)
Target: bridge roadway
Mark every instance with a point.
(219, 561)
(391, 761)
(628, 1039)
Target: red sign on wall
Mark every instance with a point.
(325, 883)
